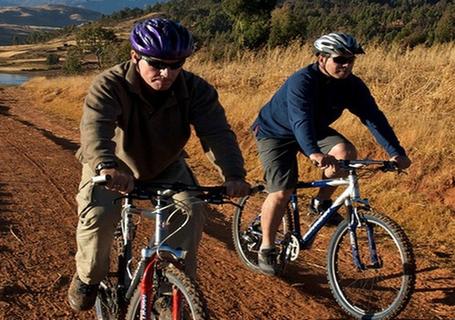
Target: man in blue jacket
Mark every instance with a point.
(297, 118)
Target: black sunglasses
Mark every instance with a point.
(343, 59)
(161, 65)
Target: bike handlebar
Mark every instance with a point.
(145, 191)
(383, 165)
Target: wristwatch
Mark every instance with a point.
(105, 165)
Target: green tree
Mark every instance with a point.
(253, 23)
(445, 28)
(251, 20)
(253, 32)
(94, 39)
(52, 59)
(115, 52)
(15, 39)
(249, 7)
(73, 61)
(284, 26)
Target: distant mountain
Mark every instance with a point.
(46, 15)
(103, 6)
(16, 23)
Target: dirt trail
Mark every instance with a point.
(38, 180)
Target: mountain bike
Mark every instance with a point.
(370, 261)
(158, 287)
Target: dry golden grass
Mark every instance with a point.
(414, 88)
(61, 96)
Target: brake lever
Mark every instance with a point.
(392, 167)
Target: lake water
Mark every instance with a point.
(12, 79)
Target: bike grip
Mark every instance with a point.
(390, 166)
(257, 189)
(315, 163)
(101, 180)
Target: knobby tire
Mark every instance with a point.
(194, 303)
(377, 292)
(107, 302)
(247, 241)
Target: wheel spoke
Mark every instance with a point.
(246, 232)
(376, 291)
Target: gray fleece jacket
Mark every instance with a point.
(145, 135)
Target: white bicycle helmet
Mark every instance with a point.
(337, 43)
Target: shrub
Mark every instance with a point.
(52, 59)
(115, 52)
(73, 61)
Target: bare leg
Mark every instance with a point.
(273, 210)
(341, 151)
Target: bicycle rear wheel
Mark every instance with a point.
(190, 302)
(247, 233)
(378, 290)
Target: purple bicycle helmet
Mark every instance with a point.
(162, 38)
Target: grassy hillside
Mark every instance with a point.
(18, 23)
(47, 15)
(415, 89)
(32, 57)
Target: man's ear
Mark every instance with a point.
(135, 57)
(322, 60)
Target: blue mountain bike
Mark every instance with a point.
(370, 261)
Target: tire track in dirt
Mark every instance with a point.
(38, 180)
(40, 222)
(36, 157)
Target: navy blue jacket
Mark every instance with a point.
(309, 101)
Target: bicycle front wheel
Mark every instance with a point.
(177, 297)
(379, 284)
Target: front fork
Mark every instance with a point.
(150, 285)
(176, 304)
(357, 220)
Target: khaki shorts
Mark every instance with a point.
(279, 158)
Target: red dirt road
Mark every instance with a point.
(38, 180)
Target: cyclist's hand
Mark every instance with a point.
(324, 161)
(403, 162)
(120, 181)
(237, 188)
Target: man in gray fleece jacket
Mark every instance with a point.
(136, 120)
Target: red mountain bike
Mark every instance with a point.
(158, 287)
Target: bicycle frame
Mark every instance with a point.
(378, 287)
(151, 254)
(306, 239)
(350, 195)
(156, 256)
